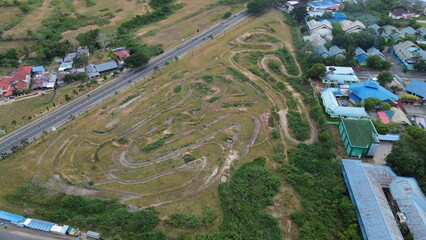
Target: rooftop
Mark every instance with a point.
(326, 3)
(360, 131)
(371, 89)
(418, 88)
(331, 103)
(365, 182)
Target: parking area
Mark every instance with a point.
(415, 109)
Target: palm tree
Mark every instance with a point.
(81, 87)
(14, 149)
(67, 97)
(24, 142)
(74, 92)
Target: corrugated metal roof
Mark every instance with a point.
(418, 88)
(365, 182)
(360, 131)
(330, 103)
(10, 217)
(375, 215)
(106, 66)
(370, 89)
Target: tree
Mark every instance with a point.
(24, 142)
(74, 92)
(259, 6)
(138, 58)
(317, 71)
(371, 103)
(420, 65)
(376, 62)
(385, 78)
(81, 61)
(14, 149)
(299, 14)
(13, 123)
(67, 98)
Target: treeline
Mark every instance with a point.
(106, 216)
(162, 10)
(408, 155)
(10, 58)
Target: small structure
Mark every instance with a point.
(323, 29)
(38, 70)
(339, 76)
(337, 17)
(290, 5)
(334, 109)
(333, 51)
(417, 88)
(370, 89)
(408, 31)
(391, 32)
(320, 6)
(122, 54)
(406, 54)
(359, 137)
(352, 27)
(95, 70)
(397, 115)
(11, 217)
(401, 13)
(93, 235)
(372, 189)
(375, 28)
(361, 56)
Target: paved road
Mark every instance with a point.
(62, 115)
(15, 235)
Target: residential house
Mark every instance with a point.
(407, 52)
(375, 28)
(417, 88)
(392, 32)
(290, 5)
(95, 70)
(316, 40)
(122, 54)
(370, 89)
(9, 83)
(82, 50)
(38, 70)
(401, 13)
(24, 71)
(322, 6)
(46, 80)
(333, 100)
(333, 51)
(371, 188)
(361, 56)
(408, 31)
(323, 29)
(422, 32)
(339, 76)
(352, 27)
(359, 136)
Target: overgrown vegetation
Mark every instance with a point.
(182, 220)
(328, 213)
(298, 125)
(408, 155)
(243, 200)
(106, 216)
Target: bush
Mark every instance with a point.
(298, 126)
(275, 133)
(153, 145)
(177, 88)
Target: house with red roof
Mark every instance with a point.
(19, 80)
(122, 54)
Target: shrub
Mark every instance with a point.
(153, 145)
(298, 126)
(177, 88)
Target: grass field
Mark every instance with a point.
(218, 117)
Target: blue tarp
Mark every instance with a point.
(10, 217)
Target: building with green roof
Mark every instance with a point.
(359, 137)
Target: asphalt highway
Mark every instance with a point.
(67, 112)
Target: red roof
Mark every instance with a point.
(123, 54)
(24, 70)
(383, 117)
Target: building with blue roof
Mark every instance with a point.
(337, 17)
(10, 217)
(38, 69)
(370, 89)
(339, 76)
(372, 188)
(318, 6)
(417, 88)
(334, 109)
